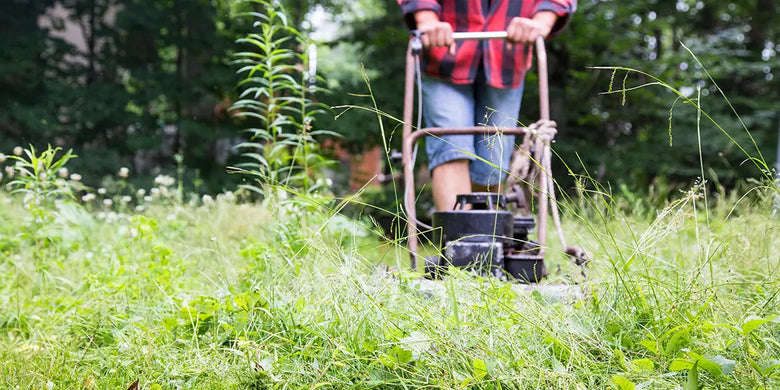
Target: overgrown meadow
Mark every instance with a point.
(156, 288)
(101, 290)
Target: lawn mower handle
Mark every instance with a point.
(479, 35)
(410, 138)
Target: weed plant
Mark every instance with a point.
(282, 149)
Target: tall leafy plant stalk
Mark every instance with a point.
(36, 176)
(282, 149)
(42, 179)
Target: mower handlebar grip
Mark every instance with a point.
(458, 36)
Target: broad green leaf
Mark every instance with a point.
(537, 297)
(693, 378)
(480, 369)
(561, 351)
(676, 342)
(623, 383)
(681, 365)
(241, 301)
(711, 367)
(641, 365)
(620, 359)
(753, 322)
(170, 323)
(715, 366)
(770, 366)
(712, 326)
(401, 355)
(726, 365)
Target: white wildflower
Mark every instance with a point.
(75, 177)
(141, 192)
(229, 196)
(18, 151)
(88, 197)
(164, 180)
(124, 172)
(62, 173)
(101, 191)
(155, 192)
(9, 171)
(2, 158)
(207, 200)
(140, 208)
(127, 199)
(148, 198)
(108, 202)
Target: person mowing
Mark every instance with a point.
(474, 83)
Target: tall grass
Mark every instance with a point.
(230, 295)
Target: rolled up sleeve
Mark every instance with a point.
(563, 8)
(410, 7)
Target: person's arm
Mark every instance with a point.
(549, 17)
(525, 31)
(423, 15)
(435, 33)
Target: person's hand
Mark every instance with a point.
(435, 33)
(525, 31)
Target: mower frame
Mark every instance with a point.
(410, 137)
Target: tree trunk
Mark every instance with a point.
(763, 14)
(91, 73)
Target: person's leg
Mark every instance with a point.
(448, 105)
(450, 179)
(494, 107)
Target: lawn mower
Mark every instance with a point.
(481, 233)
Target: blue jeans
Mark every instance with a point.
(455, 105)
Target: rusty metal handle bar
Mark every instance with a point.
(410, 138)
(439, 131)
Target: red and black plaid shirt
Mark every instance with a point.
(503, 68)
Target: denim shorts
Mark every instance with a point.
(455, 105)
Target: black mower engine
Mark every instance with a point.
(481, 235)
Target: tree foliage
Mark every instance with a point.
(733, 42)
(142, 81)
(151, 79)
(652, 136)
